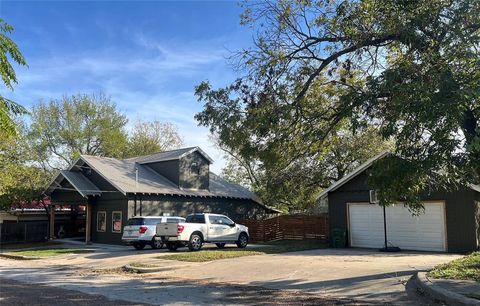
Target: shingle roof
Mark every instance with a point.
(169, 155)
(362, 168)
(121, 174)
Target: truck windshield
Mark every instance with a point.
(195, 219)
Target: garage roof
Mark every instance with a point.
(362, 168)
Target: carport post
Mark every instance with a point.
(52, 222)
(88, 223)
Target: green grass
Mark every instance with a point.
(49, 252)
(274, 247)
(473, 295)
(141, 265)
(465, 268)
(27, 245)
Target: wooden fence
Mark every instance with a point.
(296, 227)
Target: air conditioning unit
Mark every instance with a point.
(374, 197)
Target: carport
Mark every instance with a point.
(73, 189)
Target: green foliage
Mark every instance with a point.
(80, 124)
(23, 179)
(9, 50)
(152, 137)
(286, 160)
(407, 68)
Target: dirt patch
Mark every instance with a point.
(17, 293)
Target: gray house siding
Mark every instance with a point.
(237, 209)
(189, 178)
(109, 203)
(462, 229)
(169, 169)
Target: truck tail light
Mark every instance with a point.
(180, 229)
(142, 229)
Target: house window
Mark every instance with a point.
(101, 221)
(195, 168)
(116, 221)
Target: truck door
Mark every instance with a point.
(215, 228)
(229, 230)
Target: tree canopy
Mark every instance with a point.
(151, 137)
(407, 68)
(80, 124)
(63, 129)
(9, 51)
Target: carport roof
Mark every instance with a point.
(81, 184)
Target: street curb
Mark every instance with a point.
(130, 268)
(441, 294)
(20, 257)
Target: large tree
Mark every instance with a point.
(8, 108)
(79, 124)
(149, 137)
(23, 178)
(408, 67)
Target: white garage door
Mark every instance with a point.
(425, 232)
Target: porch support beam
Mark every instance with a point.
(52, 222)
(88, 221)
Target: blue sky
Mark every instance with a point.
(147, 55)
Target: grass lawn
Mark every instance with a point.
(28, 245)
(466, 268)
(273, 247)
(141, 265)
(49, 252)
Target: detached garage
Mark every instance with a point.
(450, 222)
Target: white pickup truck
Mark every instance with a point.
(200, 228)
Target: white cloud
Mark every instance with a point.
(154, 80)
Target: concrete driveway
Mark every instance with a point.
(366, 275)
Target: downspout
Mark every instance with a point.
(136, 189)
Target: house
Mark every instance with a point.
(176, 182)
(450, 222)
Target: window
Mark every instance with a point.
(220, 220)
(116, 221)
(195, 168)
(175, 220)
(195, 219)
(152, 221)
(101, 221)
(214, 219)
(226, 221)
(135, 221)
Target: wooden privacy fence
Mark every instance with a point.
(295, 227)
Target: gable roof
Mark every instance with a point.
(170, 155)
(82, 184)
(362, 168)
(353, 174)
(121, 174)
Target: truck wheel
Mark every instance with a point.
(195, 242)
(139, 245)
(242, 241)
(156, 243)
(172, 246)
(220, 245)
